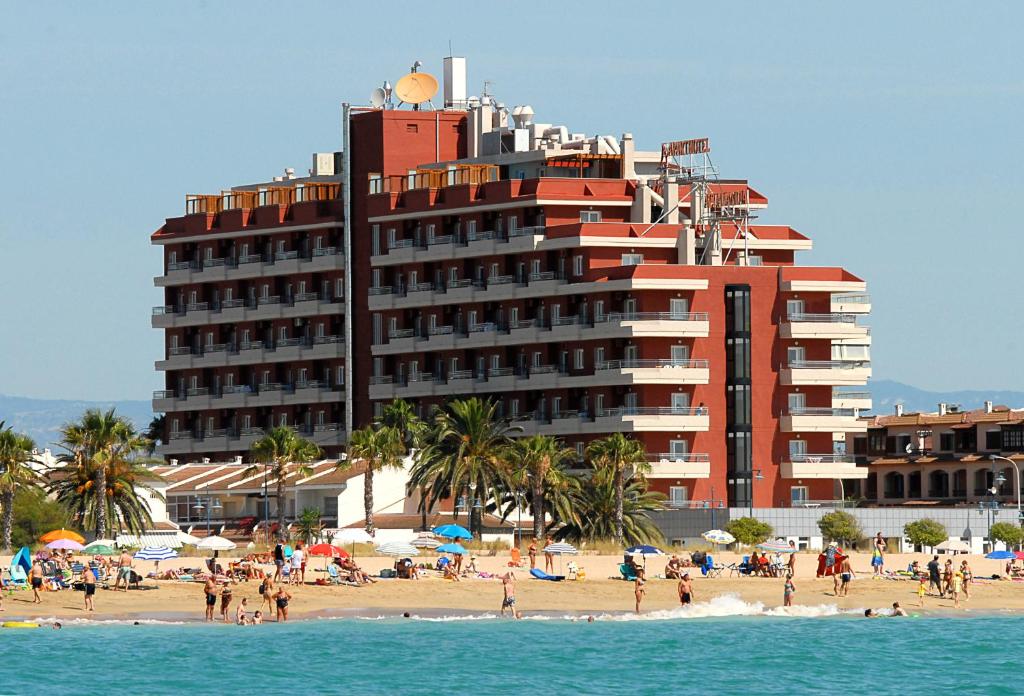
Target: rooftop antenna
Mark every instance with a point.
(416, 87)
(378, 98)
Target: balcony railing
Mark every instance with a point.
(544, 370)
(653, 316)
(164, 394)
(822, 411)
(250, 258)
(856, 298)
(269, 299)
(836, 394)
(695, 457)
(460, 374)
(286, 255)
(382, 379)
(826, 318)
(634, 363)
(822, 458)
(327, 251)
(441, 239)
(826, 364)
(459, 283)
(500, 372)
(181, 266)
(440, 330)
(484, 327)
(479, 236)
(401, 244)
(401, 333)
(526, 231)
(657, 411)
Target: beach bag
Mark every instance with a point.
(262, 588)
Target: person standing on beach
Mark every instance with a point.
(877, 556)
(957, 585)
(968, 576)
(934, 579)
(549, 558)
(267, 592)
(89, 584)
(532, 553)
(791, 565)
(281, 601)
(922, 590)
(787, 592)
(508, 586)
(210, 590)
(845, 575)
(124, 570)
(278, 560)
(36, 578)
(297, 555)
(225, 602)
(638, 588)
(947, 578)
(685, 590)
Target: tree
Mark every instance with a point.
(537, 464)
(286, 454)
(16, 473)
(401, 416)
(840, 526)
(34, 515)
(925, 532)
(623, 458)
(101, 441)
(308, 525)
(379, 447)
(155, 432)
(123, 503)
(595, 502)
(464, 455)
(1009, 534)
(749, 530)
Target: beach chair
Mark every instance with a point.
(742, 568)
(332, 572)
(517, 559)
(626, 572)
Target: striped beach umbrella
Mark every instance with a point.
(155, 553)
(717, 536)
(560, 548)
(425, 543)
(775, 547)
(396, 548)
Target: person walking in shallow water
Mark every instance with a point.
(508, 586)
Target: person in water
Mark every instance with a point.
(508, 585)
(787, 592)
(685, 590)
(897, 610)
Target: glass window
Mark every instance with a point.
(632, 259)
(590, 216)
(992, 440)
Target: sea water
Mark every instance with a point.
(724, 646)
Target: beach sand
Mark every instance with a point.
(599, 593)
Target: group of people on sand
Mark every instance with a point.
(272, 598)
(947, 580)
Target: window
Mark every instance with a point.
(174, 342)
(632, 259)
(431, 233)
(678, 448)
(172, 258)
(471, 229)
(993, 440)
(577, 360)
(577, 265)
(556, 405)
(599, 310)
(1013, 439)
(580, 451)
(851, 352)
(590, 216)
(330, 508)
(453, 274)
(495, 362)
(680, 402)
(680, 354)
(598, 356)
(797, 496)
(537, 357)
(513, 316)
(495, 270)
(678, 307)
(677, 496)
(796, 401)
(513, 408)
(392, 237)
(797, 449)
(794, 308)
(946, 442)
(599, 405)
(796, 355)
(375, 237)
(282, 333)
(513, 223)
(755, 260)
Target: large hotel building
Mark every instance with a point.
(587, 286)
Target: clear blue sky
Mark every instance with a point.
(888, 132)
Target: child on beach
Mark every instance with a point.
(787, 592)
(508, 585)
(257, 617)
(240, 618)
(922, 590)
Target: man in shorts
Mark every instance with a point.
(89, 583)
(36, 578)
(124, 570)
(210, 590)
(685, 590)
(508, 585)
(278, 560)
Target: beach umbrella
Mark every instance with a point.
(1000, 555)
(65, 544)
(561, 547)
(717, 536)
(425, 543)
(353, 535)
(329, 550)
(58, 534)
(396, 548)
(954, 545)
(99, 550)
(452, 531)
(99, 544)
(1019, 555)
(188, 539)
(644, 550)
(216, 543)
(451, 548)
(155, 553)
(775, 547)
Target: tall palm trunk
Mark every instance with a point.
(101, 501)
(368, 497)
(280, 501)
(618, 505)
(423, 508)
(538, 509)
(7, 500)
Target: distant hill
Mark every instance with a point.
(886, 394)
(41, 419)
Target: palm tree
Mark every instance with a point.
(412, 432)
(15, 473)
(96, 442)
(155, 432)
(284, 453)
(538, 463)
(125, 479)
(622, 457)
(380, 448)
(465, 453)
(595, 502)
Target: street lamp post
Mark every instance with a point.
(211, 503)
(992, 504)
(1016, 471)
(755, 475)
(472, 505)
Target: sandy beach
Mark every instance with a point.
(598, 593)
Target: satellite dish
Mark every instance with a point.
(378, 97)
(416, 88)
(909, 448)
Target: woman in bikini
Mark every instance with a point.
(638, 588)
(267, 591)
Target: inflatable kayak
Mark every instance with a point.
(541, 575)
(19, 624)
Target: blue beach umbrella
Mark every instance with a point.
(645, 550)
(452, 531)
(1000, 555)
(452, 548)
(155, 553)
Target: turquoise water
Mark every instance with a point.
(748, 654)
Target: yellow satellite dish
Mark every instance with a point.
(416, 88)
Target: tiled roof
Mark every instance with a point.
(234, 478)
(1000, 414)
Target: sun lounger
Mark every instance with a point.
(742, 568)
(626, 572)
(541, 575)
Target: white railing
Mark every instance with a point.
(625, 364)
(825, 318)
(656, 316)
(822, 411)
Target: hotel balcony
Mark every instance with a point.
(832, 326)
(234, 311)
(252, 266)
(821, 420)
(530, 331)
(822, 466)
(860, 400)
(254, 353)
(840, 373)
(242, 439)
(621, 419)
(446, 247)
(672, 465)
(857, 303)
(539, 377)
(244, 396)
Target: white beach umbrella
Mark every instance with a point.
(396, 548)
(188, 539)
(954, 545)
(717, 536)
(353, 535)
(561, 548)
(425, 543)
(216, 543)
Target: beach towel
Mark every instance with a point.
(541, 575)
